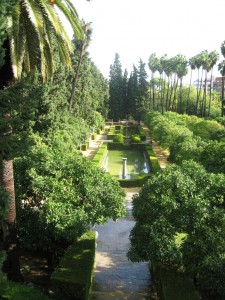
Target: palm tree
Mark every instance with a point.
(213, 56)
(221, 68)
(153, 64)
(168, 72)
(206, 66)
(163, 62)
(33, 31)
(192, 65)
(81, 46)
(182, 71)
(198, 63)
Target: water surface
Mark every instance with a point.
(136, 163)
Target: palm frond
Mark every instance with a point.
(35, 29)
(71, 14)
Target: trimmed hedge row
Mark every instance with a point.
(100, 155)
(72, 278)
(154, 163)
(172, 285)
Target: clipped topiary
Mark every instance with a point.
(135, 139)
(119, 138)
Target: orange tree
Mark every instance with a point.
(180, 224)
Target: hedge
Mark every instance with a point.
(154, 163)
(100, 155)
(72, 278)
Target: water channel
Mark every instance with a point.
(115, 277)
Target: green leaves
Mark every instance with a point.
(180, 222)
(62, 194)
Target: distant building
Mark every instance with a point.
(216, 84)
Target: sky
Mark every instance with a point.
(137, 28)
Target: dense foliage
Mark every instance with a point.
(128, 96)
(180, 223)
(61, 194)
(188, 137)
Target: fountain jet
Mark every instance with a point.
(124, 174)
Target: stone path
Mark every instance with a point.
(94, 144)
(115, 277)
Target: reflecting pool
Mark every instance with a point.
(136, 163)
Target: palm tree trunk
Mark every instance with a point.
(11, 265)
(74, 84)
(210, 93)
(180, 100)
(222, 98)
(189, 91)
(204, 97)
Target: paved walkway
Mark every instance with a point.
(94, 144)
(115, 277)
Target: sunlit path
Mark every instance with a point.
(115, 277)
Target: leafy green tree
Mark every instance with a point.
(132, 93)
(142, 87)
(62, 194)
(92, 94)
(213, 157)
(126, 108)
(179, 223)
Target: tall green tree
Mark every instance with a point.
(116, 89)
(143, 86)
(125, 95)
(132, 93)
(33, 31)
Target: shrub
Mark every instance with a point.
(135, 139)
(118, 138)
(93, 136)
